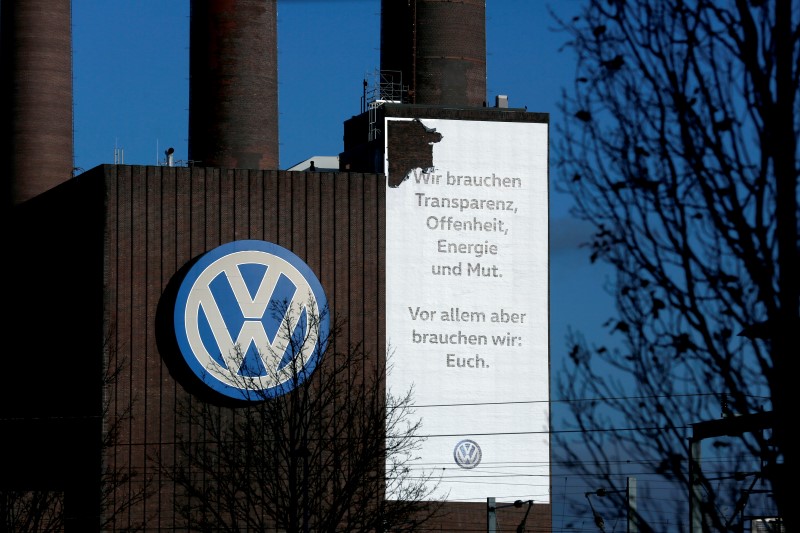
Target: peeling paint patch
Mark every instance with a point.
(410, 146)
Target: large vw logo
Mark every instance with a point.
(251, 320)
(467, 454)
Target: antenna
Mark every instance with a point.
(119, 154)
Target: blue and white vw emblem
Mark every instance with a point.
(467, 454)
(251, 320)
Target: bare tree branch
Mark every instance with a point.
(681, 150)
(313, 459)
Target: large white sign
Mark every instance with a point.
(467, 306)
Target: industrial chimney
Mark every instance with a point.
(36, 58)
(437, 48)
(233, 84)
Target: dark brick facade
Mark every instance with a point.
(165, 217)
(102, 250)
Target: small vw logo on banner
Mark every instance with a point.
(467, 454)
(251, 320)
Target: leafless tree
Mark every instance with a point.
(312, 457)
(680, 149)
(32, 511)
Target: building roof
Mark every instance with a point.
(322, 163)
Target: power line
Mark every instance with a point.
(578, 400)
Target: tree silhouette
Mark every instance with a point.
(310, 458)
(680, 149)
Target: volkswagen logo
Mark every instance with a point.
(251, 320)
(467, 454)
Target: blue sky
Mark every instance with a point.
(131, 69)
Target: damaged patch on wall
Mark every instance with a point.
(410, 147)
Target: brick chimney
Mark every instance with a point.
(233, 84)
(438, 47)
(36, 117)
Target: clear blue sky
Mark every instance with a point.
(131, 69)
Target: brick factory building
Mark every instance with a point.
(101, 259)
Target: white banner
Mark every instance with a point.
(467, 306)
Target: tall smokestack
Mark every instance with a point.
(36, 117)
(233, 84)
(439, 47)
